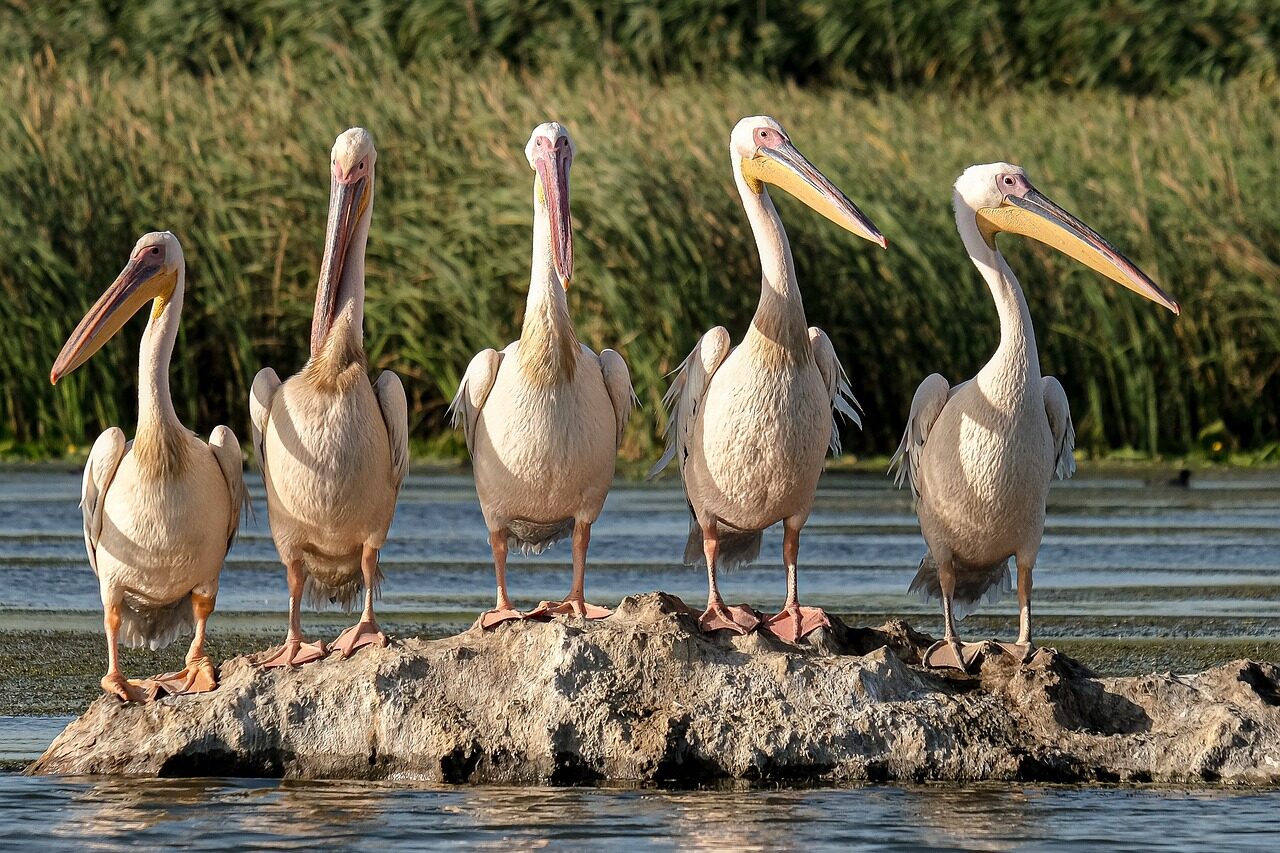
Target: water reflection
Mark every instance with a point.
(119, 814)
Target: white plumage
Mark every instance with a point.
(750, 425)
(161, 511)
(543, 418)
(979, 456)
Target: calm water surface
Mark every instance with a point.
(1125, 555)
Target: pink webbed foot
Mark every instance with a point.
(569, 607)
(1021, 652)
(115, 684)
(363, 633)
(739, 619)
(293, 653)
(199, 676)
(491, 619)
(951, 654)
(796, 622)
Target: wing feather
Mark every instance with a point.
(474, 390)
(263, 391)
(684, 398)
(226, 451)
(395, 414)
(617, 381)
(926, 405)
(839, 392)
(1064, 432)
(99, 471)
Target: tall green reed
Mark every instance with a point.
(236, 164)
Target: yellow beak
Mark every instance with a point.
(786, 168)
(142, 280)
(1033, 215)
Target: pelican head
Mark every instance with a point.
(550, 154)
(350, 195)
(150, 274)
(1001, 199)
(765, 155)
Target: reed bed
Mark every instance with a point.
(1136, 45)
(235, 162)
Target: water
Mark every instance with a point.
(1135, 574)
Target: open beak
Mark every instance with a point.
(138, 283)
(553, 176)
(1033, 215)
(348, 201)
(785, 167)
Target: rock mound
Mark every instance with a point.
(644, 697)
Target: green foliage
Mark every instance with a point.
(1138, 45)
(236, 164)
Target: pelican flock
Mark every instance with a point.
(332, 447)
(980, 455)
(749, 427)
(544, 417)
(161, 511)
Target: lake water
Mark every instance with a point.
(1135, 574)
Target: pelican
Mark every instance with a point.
(161, 511)
(750, 425)
(333, 448)
(543, 418)
(979, 456)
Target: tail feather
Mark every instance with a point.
(335, 580)
(974, 585)
(143, 624)
(737, 547)
(533, 537)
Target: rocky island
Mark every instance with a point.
(644, 697)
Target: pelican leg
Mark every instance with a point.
(114, 683)
(794, 621)
(365, 632)
(199, 675)
(504, 610)
(718, 615)
(576, 603)
(1022, 650)
(295, 651)
(949, 652)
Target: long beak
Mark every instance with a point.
(785, 167)
(1035, 216)
(133, 288)
(553, 177)
(347, 204)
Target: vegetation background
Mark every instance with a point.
(1156, 122)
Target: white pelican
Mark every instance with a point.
(750, 426)
(980, 456)
(161, 511)
(543, 418)
(333, 448)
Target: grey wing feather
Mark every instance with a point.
(839, 392)
(474, 390)
(263, 391)
(99, 471)
(617, 381)
(395, 414)
(926, 405)
(1064, 432)
(226, 451)
(684, 398)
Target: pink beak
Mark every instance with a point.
(552, 163)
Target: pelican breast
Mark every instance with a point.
(163, 536)
(545, 445)
(327, 458)
(759, 440)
